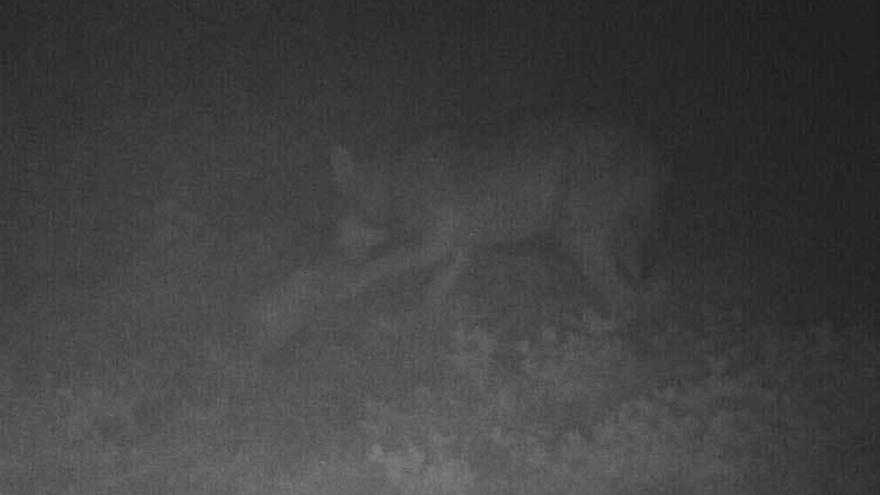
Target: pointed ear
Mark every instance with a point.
(341, 162)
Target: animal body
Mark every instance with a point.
(587, 182)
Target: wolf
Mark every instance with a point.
(584, 180)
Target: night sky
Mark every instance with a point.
(766, 111)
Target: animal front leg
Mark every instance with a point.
(394, 265)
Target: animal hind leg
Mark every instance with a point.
(443, 283)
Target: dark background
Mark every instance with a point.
(766, 111)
